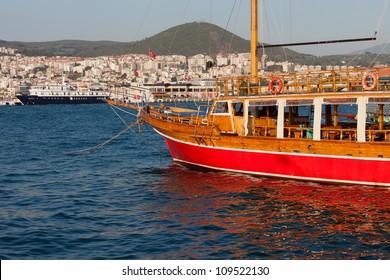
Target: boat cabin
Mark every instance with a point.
(299, 110)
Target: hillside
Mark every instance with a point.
(187, 39)
(192, 38)
(383, 48)
(68, 48)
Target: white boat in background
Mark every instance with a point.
(62, 94)
(133, 93)
(183, 91)
(158, 92)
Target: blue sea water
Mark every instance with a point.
(128, 200)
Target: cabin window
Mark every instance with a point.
(298, 118)
(238, 108)
(262, 111)
(340, 114)
(378, 114)
(221, 107)
(299, 115)
(263, 118)
(339, 119)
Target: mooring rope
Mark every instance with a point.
(128, 127)
(111, 106)
(124, 111)
(101, 144)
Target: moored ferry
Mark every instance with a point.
(62, 94)
(324, 126)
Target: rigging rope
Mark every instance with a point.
(378, 54)
(262, 39)
(290, 22)
(140, 26)
(235, 24)
(277, 28)
(227, 25)
(378, 26)
(177, 27)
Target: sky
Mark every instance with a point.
(281, 21)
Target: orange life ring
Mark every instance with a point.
(372, 80)
(277, 90)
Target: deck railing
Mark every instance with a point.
(364, 79)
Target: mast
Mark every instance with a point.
(254, 39)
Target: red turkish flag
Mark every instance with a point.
(152, 54)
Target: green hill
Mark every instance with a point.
(193, 38)
(68, 48)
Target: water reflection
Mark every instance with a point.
(226, 215)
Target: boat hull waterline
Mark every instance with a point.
(300, 166)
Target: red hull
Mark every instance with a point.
(367, 171)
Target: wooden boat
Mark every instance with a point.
(307, 126)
